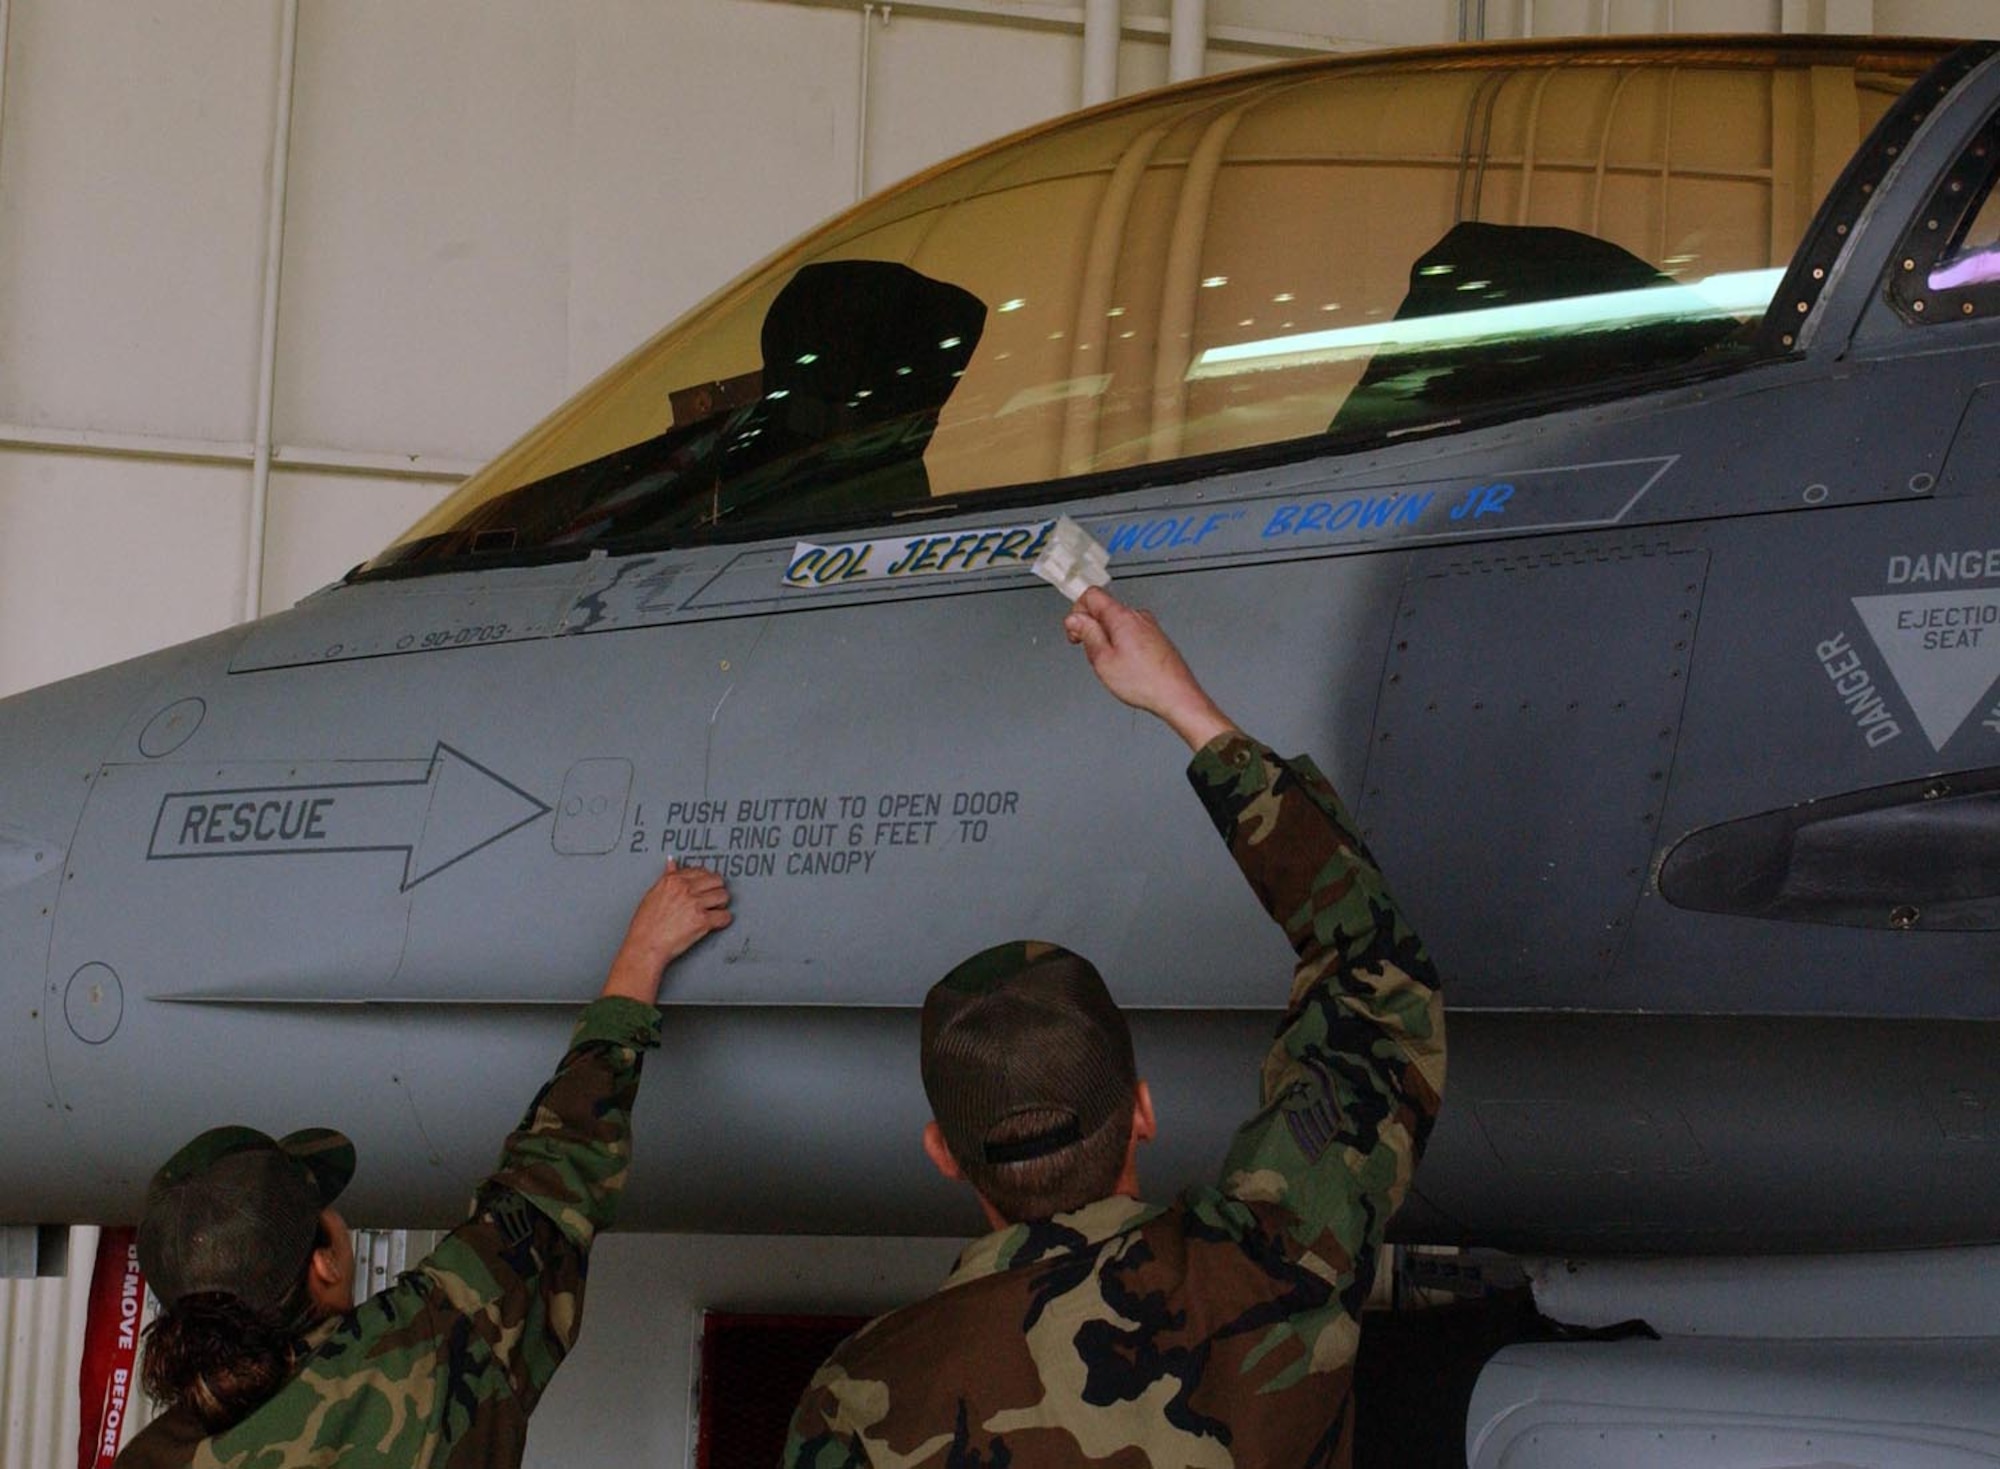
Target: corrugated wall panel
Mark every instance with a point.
(41, 1341)
(380, 1255)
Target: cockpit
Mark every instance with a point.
(1274, 264)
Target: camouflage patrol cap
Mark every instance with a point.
(1024, 1028)
(237, 1211)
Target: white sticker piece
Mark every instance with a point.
(900, 558)
(1942, 647)
(1074, 562)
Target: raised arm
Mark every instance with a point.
(516, 1268)
(682, 907)
(1352, 1084)
(1140, 665)
(568, 1156)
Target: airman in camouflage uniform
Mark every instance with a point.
(1220, 1330)
(444, 1367)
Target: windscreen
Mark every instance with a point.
(1305, 257)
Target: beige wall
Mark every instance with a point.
(486, 202)
(1937, 17)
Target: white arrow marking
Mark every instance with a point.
(455, 809)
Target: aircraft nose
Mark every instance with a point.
(52, 740)
(25, 857)
(48, 738)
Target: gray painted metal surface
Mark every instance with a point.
(356, 864)
(1910, 1404)
(1892, 1294)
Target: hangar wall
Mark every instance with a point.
(326, 268)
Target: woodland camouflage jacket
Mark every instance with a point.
(441, 1370)
(1220, 1330)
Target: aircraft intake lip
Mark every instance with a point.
(25, 857)
(1922, 854)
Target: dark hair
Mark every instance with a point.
(1055, 1183)
(221, 1359)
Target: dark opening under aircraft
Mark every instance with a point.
(1588, 450)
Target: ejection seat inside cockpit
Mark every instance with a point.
(859, 358)
(1515, 312)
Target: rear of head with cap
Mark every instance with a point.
(1028, 1066)
(228, 1234)
(235, 1211)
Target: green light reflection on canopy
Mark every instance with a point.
(1733, 293)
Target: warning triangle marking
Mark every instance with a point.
(1942, 647)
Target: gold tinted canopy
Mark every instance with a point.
(1311, 255)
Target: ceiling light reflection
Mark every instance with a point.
(1736, 293)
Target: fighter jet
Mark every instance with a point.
(1587, 450)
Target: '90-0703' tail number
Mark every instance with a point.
(458, 637)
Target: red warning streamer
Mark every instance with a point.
(110, 1346)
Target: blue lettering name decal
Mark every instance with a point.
(1318, 517)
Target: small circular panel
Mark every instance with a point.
(171, 728)
(93, 1004)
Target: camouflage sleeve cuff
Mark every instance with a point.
(622, 1021)
(1233, 769)
(1228, 773)
(1223, 759)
